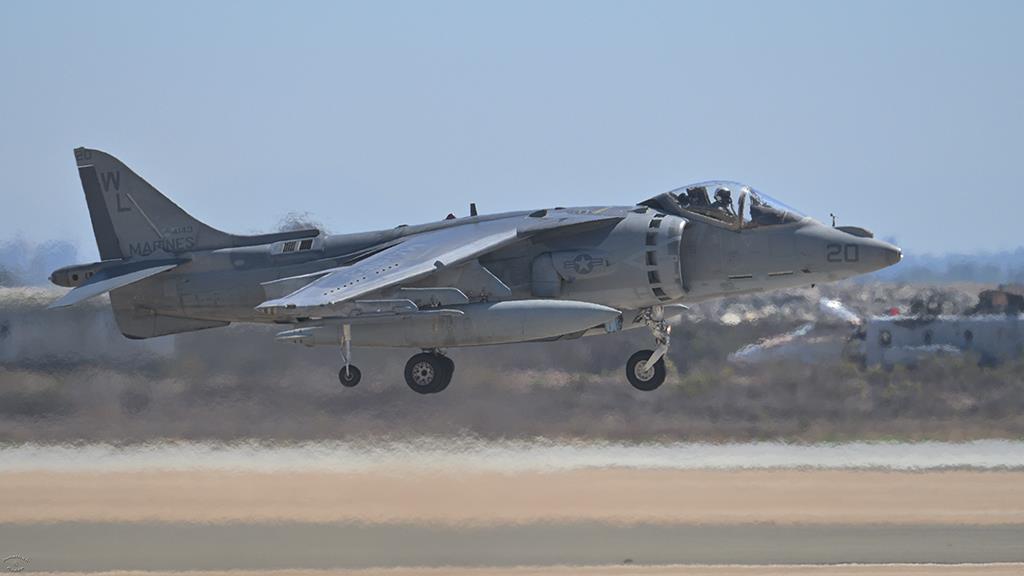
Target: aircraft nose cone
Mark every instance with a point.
(845, 253)
(878, 254)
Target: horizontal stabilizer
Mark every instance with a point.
(109, 279)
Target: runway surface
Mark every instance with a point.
(176, 546)
(499, 519)
(992, 569)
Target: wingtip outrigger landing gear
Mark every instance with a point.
(645, 370)
(429, 372)
(349, 375)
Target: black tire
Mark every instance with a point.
(349, 377)
(651, 380)
(448, 377)
(427, 373)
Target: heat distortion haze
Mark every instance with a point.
(162, 457)
(601, 508)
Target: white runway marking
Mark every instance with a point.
(447, 454)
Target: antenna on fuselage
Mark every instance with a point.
(472, 208)
(833, 219)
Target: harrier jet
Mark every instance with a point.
(536, 275)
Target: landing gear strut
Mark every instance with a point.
(349, 375)
(645, 370)
(429, 372)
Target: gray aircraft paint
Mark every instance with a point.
(476, 324)
(630, 260)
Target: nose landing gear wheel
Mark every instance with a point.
(349, 376)
(428, 373)
(642, 379)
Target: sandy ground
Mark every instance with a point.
(582, 521)
(494, 498)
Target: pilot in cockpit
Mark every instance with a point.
(697, 197)
(723, 200)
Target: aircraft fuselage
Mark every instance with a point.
(689, 261)
(515, 277)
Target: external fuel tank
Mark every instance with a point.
(467, 325)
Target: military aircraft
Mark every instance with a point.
(536, 275)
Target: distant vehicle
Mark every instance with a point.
(993, 331)
(892, 340)
(535, 275)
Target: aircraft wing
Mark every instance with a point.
(424, 253)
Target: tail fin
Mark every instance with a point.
(132, 219)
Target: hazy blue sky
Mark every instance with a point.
(903, 117)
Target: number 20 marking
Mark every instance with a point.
(843, 253)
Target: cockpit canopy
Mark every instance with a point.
(731, 203)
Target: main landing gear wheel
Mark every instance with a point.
(450, 364)
(349, 376)
(429, 373)
(641, 377)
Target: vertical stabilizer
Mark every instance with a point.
(132, 219)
